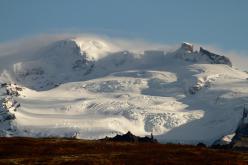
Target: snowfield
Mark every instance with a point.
(91, 88)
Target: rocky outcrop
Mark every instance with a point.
(129, 137)
(215, 58)
(8, 106)
(187, 47)
(5, 115)
(187, 53)
(239, 140)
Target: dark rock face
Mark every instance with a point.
(3, 85)
(129, 137)
(240, 140)
(201, 145)
(7, 101)
(215, 58)
(6, 115)
(193, 90)
(9, 117)
(187, 53)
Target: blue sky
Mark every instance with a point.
(223, 23)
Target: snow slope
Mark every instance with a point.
(92, 88)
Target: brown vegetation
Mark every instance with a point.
(72, 151)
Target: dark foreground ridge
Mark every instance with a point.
(18, 150)
(129, 137)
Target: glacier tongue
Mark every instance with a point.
(93, 88)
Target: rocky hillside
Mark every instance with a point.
(72, 151)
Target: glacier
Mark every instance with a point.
(92, 88)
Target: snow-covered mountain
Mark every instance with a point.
(92, 88)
